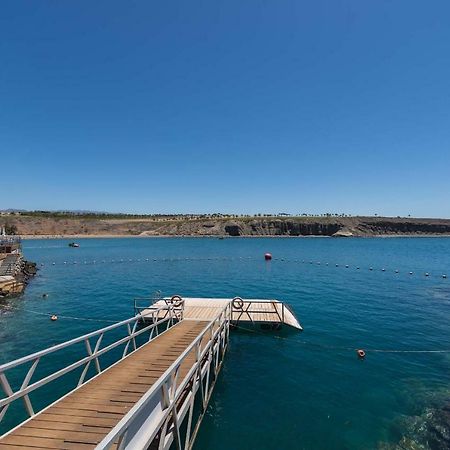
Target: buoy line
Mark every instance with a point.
(342, 348)
(361, 353)
(52, 315)
(267, 256)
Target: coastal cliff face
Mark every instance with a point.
(281, 228)
(292, 226)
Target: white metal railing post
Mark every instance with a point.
(4, 383)
(176, 426)
(197, 373)
(132, 333)
(96, 348)
(122, 440)
(208, 367)
(27, 379)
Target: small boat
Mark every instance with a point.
(74, 244)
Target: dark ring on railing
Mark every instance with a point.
(237, 303)
(176, 301)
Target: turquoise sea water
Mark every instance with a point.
(277, 390)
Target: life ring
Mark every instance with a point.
(361, 353)
(176, 301)
(54, 317)
(237, 303)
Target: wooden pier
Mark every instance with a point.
(154, 396)
(244, 311)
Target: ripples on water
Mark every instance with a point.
(273, 393)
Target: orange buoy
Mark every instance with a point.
(361, 353)
(53, 318)
(267, 256)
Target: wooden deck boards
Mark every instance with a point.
(260, 311)
(83, 418)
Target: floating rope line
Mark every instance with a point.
(239, 258)
(48, 314)
(373, 350)
(296, 341)
(334, 347)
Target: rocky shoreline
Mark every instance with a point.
(15, 271)
(14, 284)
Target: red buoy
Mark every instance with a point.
(267, 256)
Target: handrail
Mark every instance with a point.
(154, 300)
(65, 344)
(247, 304)
(10, 240)
(26, 388)
(170, 376)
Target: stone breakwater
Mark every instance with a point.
(257, 226)
(15, 275)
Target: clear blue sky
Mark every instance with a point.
(230, 106)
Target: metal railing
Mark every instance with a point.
(8, 240)
(176, 302)
(160, 415)
(244, 309)
(128, 326)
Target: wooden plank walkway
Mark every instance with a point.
(84, 417)
(254, 310)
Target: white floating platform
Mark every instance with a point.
(252, 311)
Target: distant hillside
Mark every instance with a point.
(246, 226)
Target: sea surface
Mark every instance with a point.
(277, 390)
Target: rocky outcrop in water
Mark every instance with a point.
(429, 431)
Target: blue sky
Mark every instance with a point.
(226, 106)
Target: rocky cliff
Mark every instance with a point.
(290, 226)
